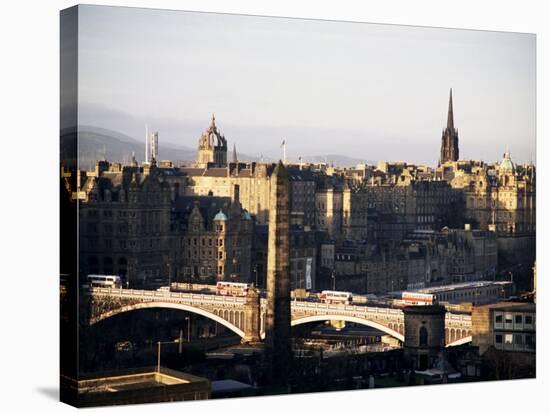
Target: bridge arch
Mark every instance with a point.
(174, 306)
(351, 319)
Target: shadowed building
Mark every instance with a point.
(424, 335)
(277, 338)
(138, 385)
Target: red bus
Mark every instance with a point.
(335, 297)
(231, 288)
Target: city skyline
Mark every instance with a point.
(370, 108)
(193, 272)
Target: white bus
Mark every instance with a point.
(104, 281)
(335, 297)
(418, 298)
(231, 288)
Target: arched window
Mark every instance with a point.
(423, 336)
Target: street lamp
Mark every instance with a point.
(188, 319)
(158, 351)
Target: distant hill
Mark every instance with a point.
(98, 143)
(337, 160)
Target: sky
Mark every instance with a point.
(368, 91)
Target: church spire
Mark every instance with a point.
(449, 138)
(450, 117)
(235, 161)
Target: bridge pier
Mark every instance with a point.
(252, 317)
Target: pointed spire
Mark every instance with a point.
(213, 122)
(450, 117)
(235, 161)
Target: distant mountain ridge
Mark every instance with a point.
(336, 160)
(97, 143)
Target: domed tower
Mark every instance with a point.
(424, 335)
(212, 147)
(506, 170)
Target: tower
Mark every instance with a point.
(154, 143)
(424, 335)
(449, 138)
(277, 324)
(235, 160)
(212, 147)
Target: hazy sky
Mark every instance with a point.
(364, 90)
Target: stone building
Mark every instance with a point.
(469, 255)
(506, 326)
(302, 194)
(215, 237)
(125, 224)
(425, 258)
(501, 196)
(424, 335)
(397, 207)
(328, 209)
(134, 222)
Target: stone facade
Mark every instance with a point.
(277, 320)
(424, 335)
(212, 147)
(133, 224)
(125, 225)
(215, 240)
(505, 326)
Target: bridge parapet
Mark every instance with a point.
(244, 315)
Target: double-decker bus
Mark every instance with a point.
(335, 297)
(232, 288)
(104, 281)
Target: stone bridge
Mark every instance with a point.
(245, 316)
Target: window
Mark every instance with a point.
(518, 339)
(498, 339)
(508, 318)
(528, 319)
(508, 338)
(519, 319)
(423, 336)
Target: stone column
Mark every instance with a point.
(277, 324)
(252, 317)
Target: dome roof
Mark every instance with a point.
(212, 137)
(220, 216)
(506, 165)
